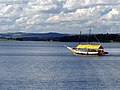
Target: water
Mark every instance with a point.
(50, 66)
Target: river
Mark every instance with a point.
(51, 66)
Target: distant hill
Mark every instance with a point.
(32, 36)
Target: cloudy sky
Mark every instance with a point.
(64, 16)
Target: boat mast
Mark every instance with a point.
(89, 36)
(88, 40)
(79, 37)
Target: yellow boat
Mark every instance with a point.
(88, 49)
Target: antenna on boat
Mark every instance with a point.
(79, 37)
(89, 37)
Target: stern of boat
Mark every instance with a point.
(102, 53)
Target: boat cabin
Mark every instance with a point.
(90, 48)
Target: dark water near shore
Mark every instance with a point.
(50, 66)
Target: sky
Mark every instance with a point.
(62, 16)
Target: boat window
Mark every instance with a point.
(82, 49)
(92, 50)
(76, 48)
(101, 50)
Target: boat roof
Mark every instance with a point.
(88, 46)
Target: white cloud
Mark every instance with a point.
(112, 13)
(22, 20)
(59, 15)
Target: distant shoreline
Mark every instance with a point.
(58, 37)
(6, 40)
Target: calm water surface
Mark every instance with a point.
(50, 66)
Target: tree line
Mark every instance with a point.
(91, 38)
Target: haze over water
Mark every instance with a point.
(50, 66)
